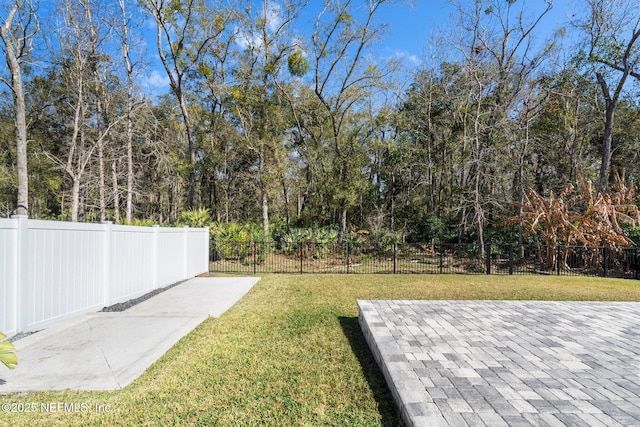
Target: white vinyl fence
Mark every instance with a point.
(52, 270)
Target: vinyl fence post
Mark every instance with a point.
(106, 262)
(185, 252)
(207, 247)
(156, 262)
(22, 272)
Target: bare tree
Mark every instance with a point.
(216, 87)
(266, 43)
(131, 106)
(342, 80)
(185, 30)
(612, 28)
(101, 98)
(80, 98)
(499, 57)
(17, 32)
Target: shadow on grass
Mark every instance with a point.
(389, 413)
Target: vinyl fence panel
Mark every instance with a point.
(197, 251)
(171, 255)
(66, 270)
(132, 262)
(8, 275)
(51, 270)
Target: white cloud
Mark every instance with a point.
(406, 58)
(246, 39)
(251, 38)
(273, 17)
(155, 81)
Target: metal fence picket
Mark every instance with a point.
(443, 258)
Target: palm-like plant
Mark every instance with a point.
(7, 352)
(233, 240)
(196, 218)
(311, 242)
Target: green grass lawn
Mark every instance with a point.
(291, 353)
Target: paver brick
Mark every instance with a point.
(510, 363)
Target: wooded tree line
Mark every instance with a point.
(283, 117)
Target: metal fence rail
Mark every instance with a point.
(506, 259)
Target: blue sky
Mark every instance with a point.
(412, 25)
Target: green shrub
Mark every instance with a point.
(234, 240)
(197, 218)
(316, 242)
(142, 222)
(388, 241)
(356, 242)
(633, 233)
(290, 242)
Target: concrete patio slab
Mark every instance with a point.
(107, 351)
(508, 363)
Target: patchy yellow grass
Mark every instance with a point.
(290, 353)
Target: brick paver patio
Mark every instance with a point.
(508, 363)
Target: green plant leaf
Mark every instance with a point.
(7, 353)
(298, 64)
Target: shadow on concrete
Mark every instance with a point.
(389, 413)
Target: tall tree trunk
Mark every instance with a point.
(605, 164)
(12, 51)
(264, 198)
(75, 198)
(172, 206)
(343, 224)
(101, 182)
(265, 215)
(129, 212)
(129, 66)
(176, 26)
(479, 211)
(116, 192)
(74, 151)
(392, 207)
(22, 205)
(101, 114)
(216, 198)
(606, 26)
(101, 179)
(285, 193)
(191, 146)
(478, 160)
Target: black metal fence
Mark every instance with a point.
(309, 257)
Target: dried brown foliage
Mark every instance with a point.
(599, 222)
(580, 217)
